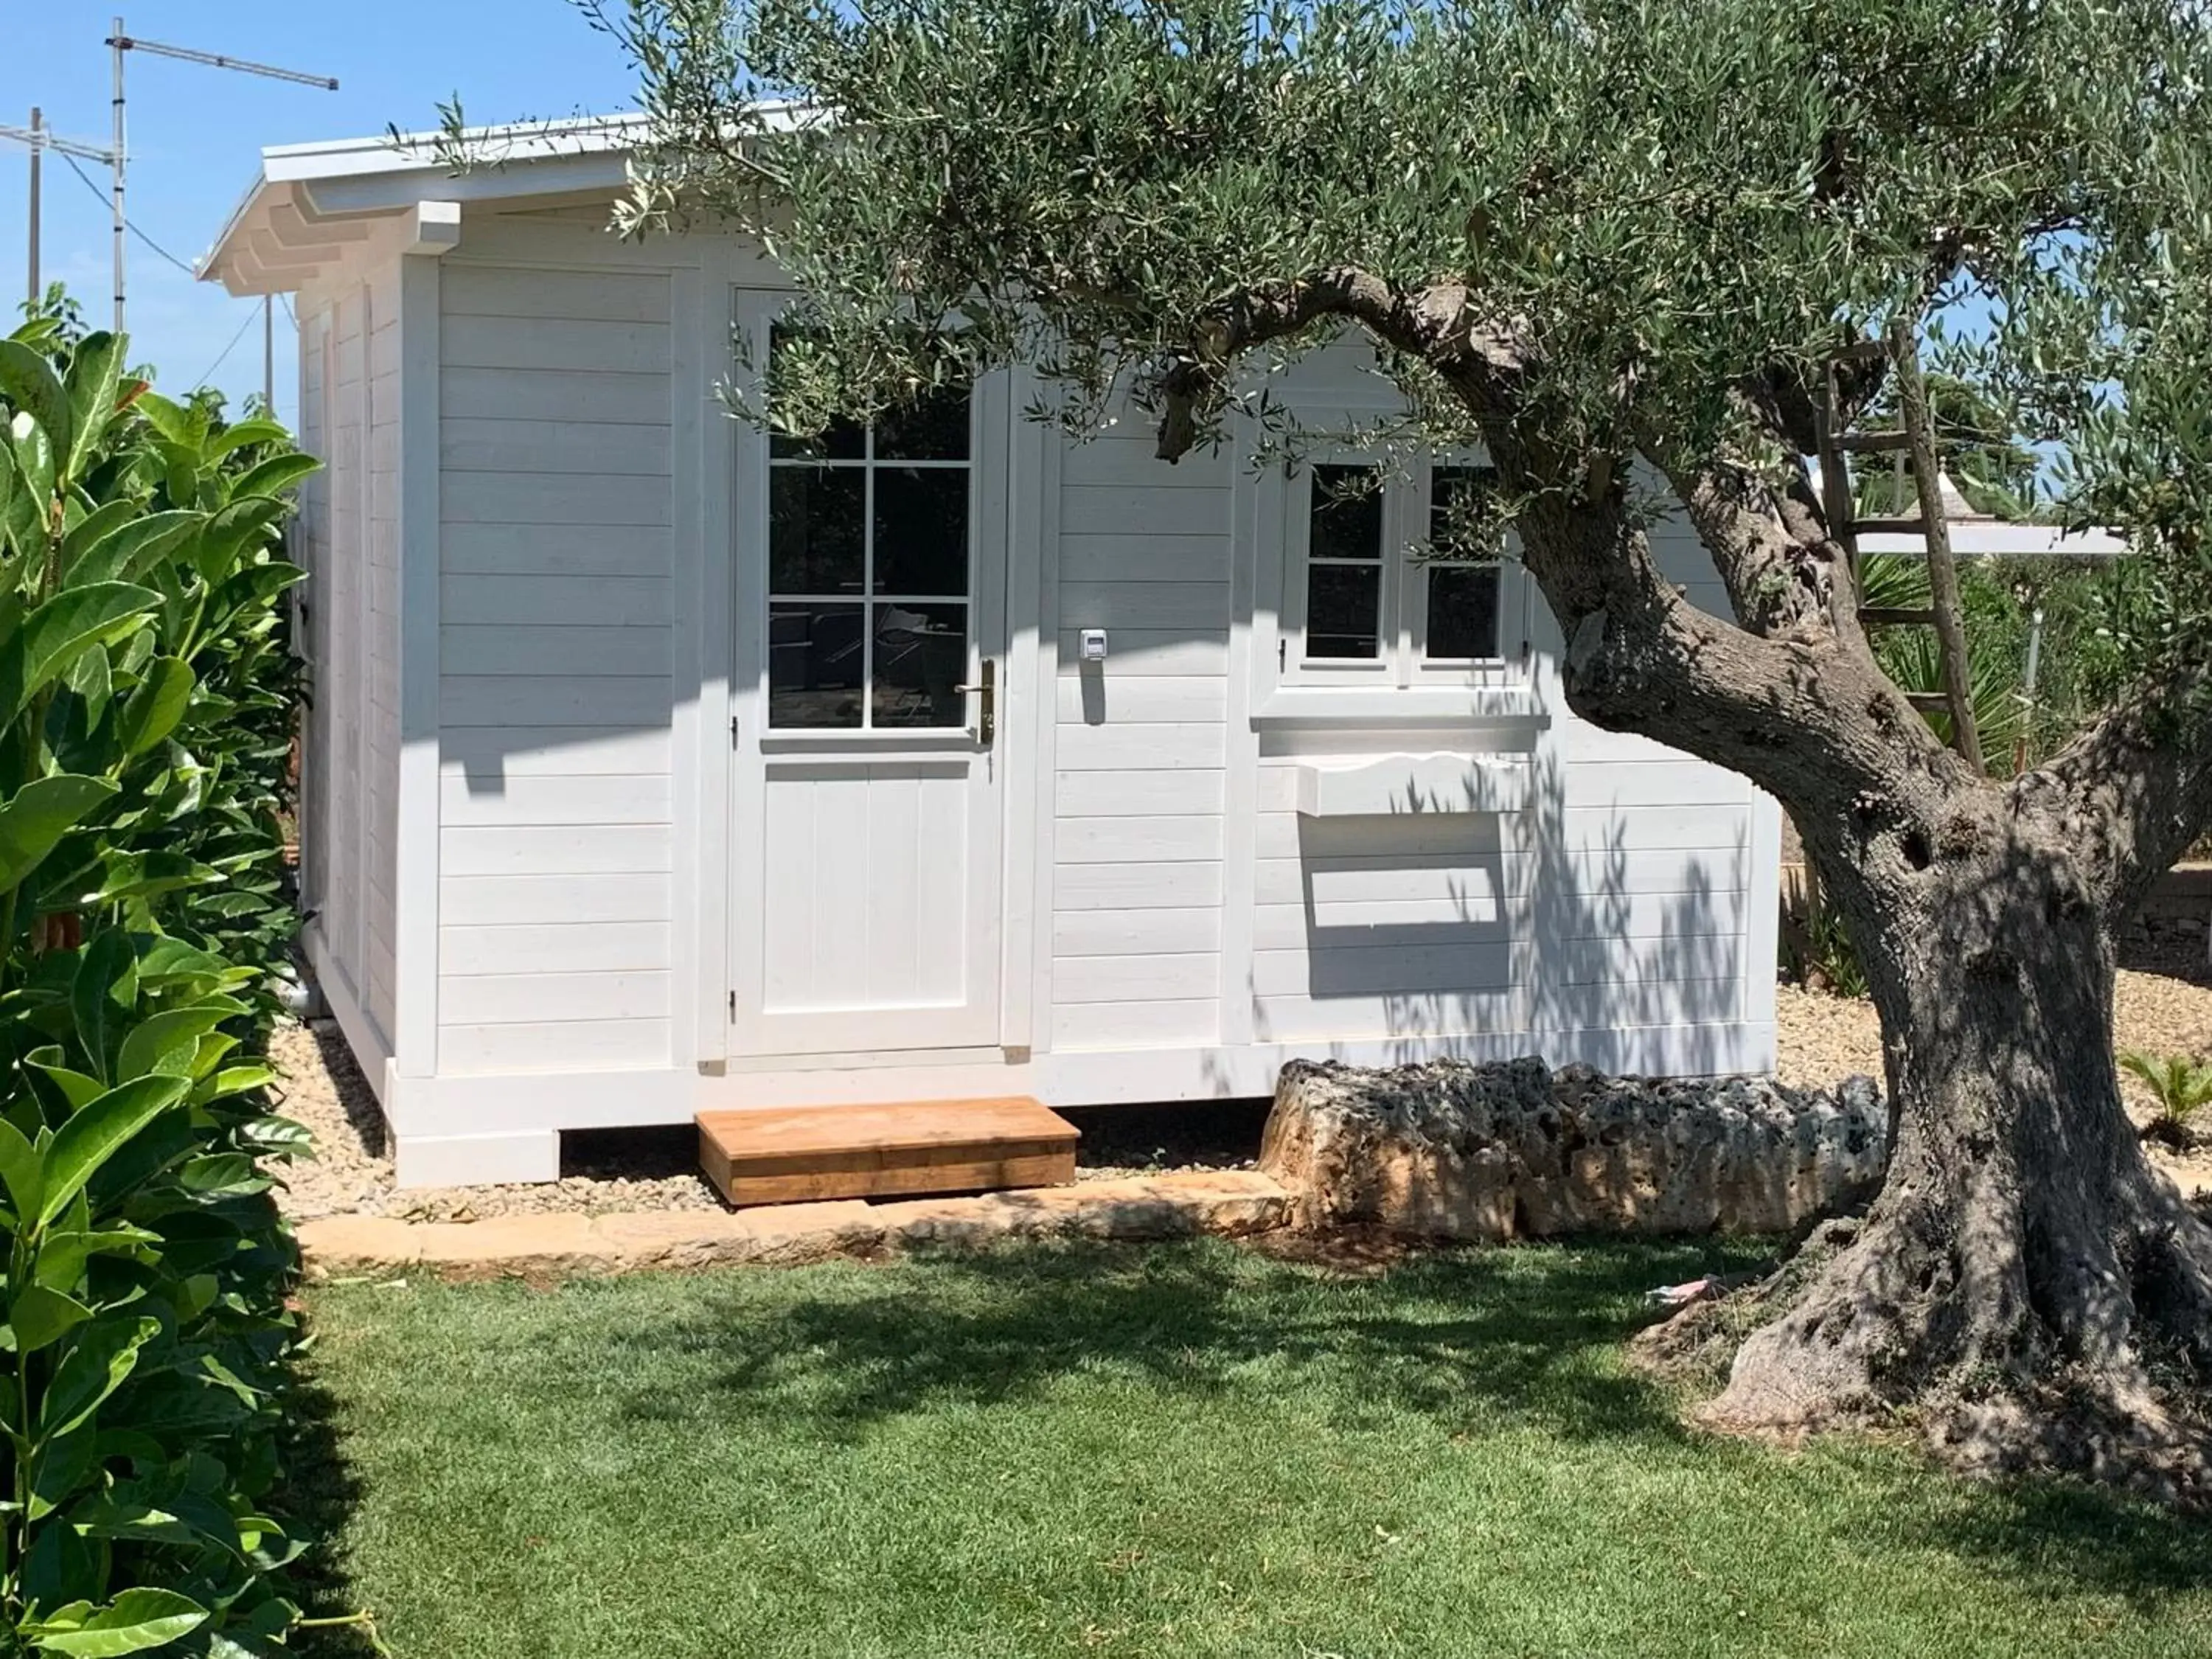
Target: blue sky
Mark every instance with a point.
(196, 134)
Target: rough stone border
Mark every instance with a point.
(1229, 1203)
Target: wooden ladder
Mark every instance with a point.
(1915, 440)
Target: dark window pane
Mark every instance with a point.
(921, 654)
(933, 427)
(814, 516)
(1342, 609)
(1462, 611)
(816, 665)
(1346, 514)
(922, 530)
(844, 440)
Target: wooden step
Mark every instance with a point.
(787, 1155)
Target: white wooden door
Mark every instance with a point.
(870, 780)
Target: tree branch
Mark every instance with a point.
(2135, 789)
(1482, 355)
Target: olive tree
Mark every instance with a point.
(1614, 242)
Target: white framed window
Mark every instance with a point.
(871, 548)
(1383, 584)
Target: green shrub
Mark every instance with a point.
(2180, 1087)
(142, 689)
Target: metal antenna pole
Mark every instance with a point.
(117, 42)
(38, 146)
(123, 43)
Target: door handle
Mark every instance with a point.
(987, 725)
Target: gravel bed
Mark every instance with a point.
(601, 1171)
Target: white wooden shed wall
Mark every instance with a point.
(521, 852)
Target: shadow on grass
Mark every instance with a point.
(1480, 1341)
(319, 1495)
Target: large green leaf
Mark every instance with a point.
(243, 433)
(165, 1042)
(100, 1357)
(23, 1170)
(137, 1620)
(103, 992)
(274, 476)
(124, 553)
(95, 1134)
(156, 704)
(51, 636)
(28, 381)
(40, 815)
(95, 371)
(42, 1316)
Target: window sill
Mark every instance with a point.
(1385, 707)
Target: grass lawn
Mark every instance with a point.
(1181, 1451)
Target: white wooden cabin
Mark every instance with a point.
(646, 777)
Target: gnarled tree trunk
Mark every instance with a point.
(2024, 1270)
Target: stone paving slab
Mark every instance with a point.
(1229, 1203)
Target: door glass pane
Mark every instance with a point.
(1462, 611)
(816, 665)
(1343, 610)
(921, 654)
(815, 541)
(1346, 514)
(933, 428)
(921, 531)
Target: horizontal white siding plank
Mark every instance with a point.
(1141, 748)
(1140, 511)
(554, 549)
(554, 343)
(1136, 840)
(1135, 933)
(471, 290)
(1185, 977)
(566, 850)
(1105, 699)
(540, 446)
(581, 650)
(561, 601)
(503, 393)
(1101, 1026)
(1375, 973)
(599, 1045)
(1138, 794)
(564, 498)
(1196, 606)
(524, 999)
(525, 907)
(1654, 783)
(1481, 883)
(1124, 556)
(581, 946)
(1135, 886)
(516, 699)
(1390, 923)
(487, 754)
(1418, 1015)
(554, 800)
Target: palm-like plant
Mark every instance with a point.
(2182, 1088)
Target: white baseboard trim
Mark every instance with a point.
(476, 1160)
